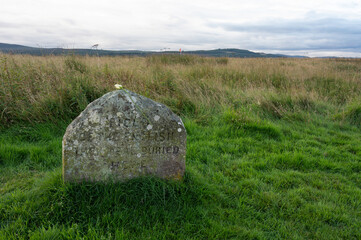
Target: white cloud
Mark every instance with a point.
(139, 24)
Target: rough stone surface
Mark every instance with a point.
(123, 135)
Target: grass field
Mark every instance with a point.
(273, 149)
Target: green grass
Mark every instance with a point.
(269, 155)
(273, 179)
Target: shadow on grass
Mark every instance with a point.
(244, 125)
(137, 206)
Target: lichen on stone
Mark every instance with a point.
(123, 135)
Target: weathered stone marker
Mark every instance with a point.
(123, 135)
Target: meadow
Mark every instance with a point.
(273, 149)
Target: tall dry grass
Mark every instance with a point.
(59, 87)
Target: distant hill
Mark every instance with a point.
(6, 46)
(231, 52)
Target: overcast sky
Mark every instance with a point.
(307, 27)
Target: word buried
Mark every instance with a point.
(161, 150)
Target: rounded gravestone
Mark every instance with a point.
(123, 135)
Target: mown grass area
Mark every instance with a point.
(273, 149)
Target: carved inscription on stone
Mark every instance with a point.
(123, 135)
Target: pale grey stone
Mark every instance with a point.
(123, 135)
